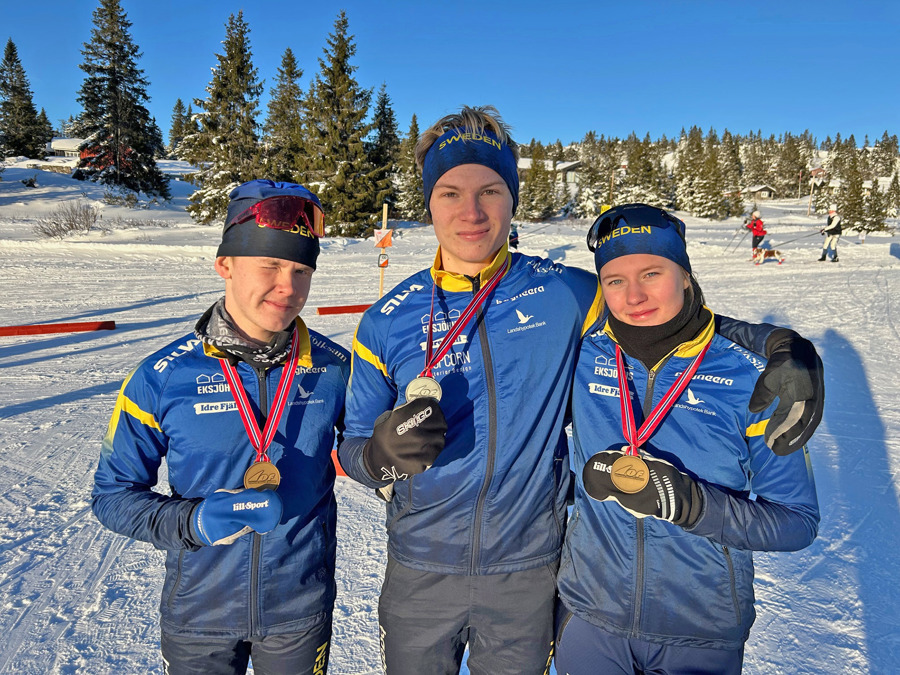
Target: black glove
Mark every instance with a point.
(406, 440)
(795, 375)
(668, 494)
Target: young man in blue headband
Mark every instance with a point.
(456, 413)
(248, 519)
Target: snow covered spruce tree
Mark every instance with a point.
(876, 210)
(283, 140)
(179, 129)
(340, 172)
(536, 195)
(641, 182)
(410, 192)
(226, 146)
(121, 136)
(22, 132)
(383, 150)
(593, 176)
(731, 170)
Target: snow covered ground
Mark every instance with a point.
(77, 598)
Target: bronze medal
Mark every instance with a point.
(423, 387)
(630, 474)
(262, 476)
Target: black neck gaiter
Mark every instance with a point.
(649, 344)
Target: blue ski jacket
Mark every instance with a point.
(649, 579)
(494, 501)
(177, 406)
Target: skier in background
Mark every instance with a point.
(247, 522)
(478, 486)
(756, 227)
(657, 570)
(832, 232)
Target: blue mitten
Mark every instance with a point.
(228, 514)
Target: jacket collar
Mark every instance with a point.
(450, 281)
(686, 350)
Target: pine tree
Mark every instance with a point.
(350, 187)
(788, 167)
(226, 145)
(851, 204)
(893, 196)
(592, 178)
(730, 170)
(122, 137)
(876, 210)
(178, 130)
(641, 181)
(688, 170)
(410, 192)
(22, 133)
(384, 148)
(536, 195)
(708, 198)
(283, 137)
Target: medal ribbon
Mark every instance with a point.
(262, 441)
(460, 323)
(637, 437)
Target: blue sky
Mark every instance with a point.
(554, 69)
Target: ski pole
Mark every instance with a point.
(739, 243)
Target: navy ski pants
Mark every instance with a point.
(585, 649)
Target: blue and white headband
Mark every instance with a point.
(463, 146)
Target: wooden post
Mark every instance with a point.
(799, 179)
(612, 175)
(384, 211)
(809, 204)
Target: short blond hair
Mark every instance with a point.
(473, 118)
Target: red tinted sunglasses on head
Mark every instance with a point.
(286, 213)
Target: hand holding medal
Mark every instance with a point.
(645, 486)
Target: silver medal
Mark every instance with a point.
(423, 387)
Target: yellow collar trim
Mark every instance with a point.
(450, 281)
(303, 344)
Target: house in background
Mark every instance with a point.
(758, 193)
(64, 147)
(563, 172)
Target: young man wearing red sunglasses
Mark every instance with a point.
(458, 401)
(245, 411)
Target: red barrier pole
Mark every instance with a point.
(337, 465)
(342, 309)
(43, 328)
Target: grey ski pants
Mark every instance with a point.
(427, 619)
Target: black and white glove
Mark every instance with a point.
(796, 376)
(668, 494)
(406, 440)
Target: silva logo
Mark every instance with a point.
(693, 400)
(414, 421)
(524, 318)
(161, 365)
(250, 506)
(393, 474)
(394, 302)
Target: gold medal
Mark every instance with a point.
(630, 474)
(423, 387)
(262, 476)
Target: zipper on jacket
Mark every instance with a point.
(257, 540)
(646, 406)
(733, 582)
(492, 431)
